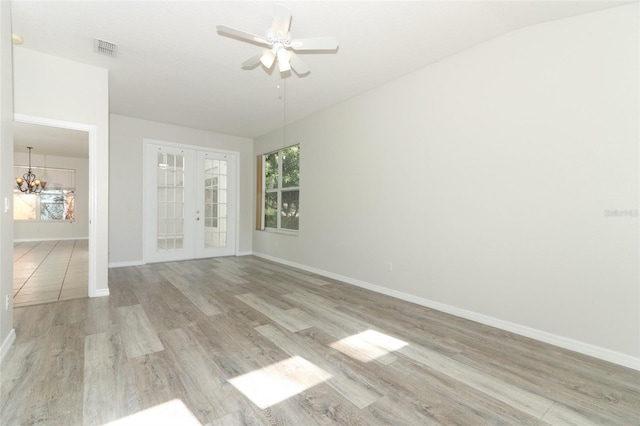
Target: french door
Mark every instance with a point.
(190, 201)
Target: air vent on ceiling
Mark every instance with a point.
(104, 47)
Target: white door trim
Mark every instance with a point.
(93, 185)
(145, 206)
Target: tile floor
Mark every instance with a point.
(47, 271)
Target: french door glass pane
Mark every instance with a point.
(170, 208)
(215, 199)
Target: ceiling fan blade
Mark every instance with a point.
(298, 65)
(228, 31)
(252, 61)
(281, 21)
(315, 43)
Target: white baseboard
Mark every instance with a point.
(563, 342)
(127, 263)
(142, 262)
(8, 342)
(101, 293)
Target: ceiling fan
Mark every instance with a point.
(280, 43)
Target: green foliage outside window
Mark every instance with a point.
(271, 210)
(271, 171)
(291, 167)
(282, 193)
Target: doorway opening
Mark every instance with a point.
(54, 236)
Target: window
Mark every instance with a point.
(279, 199)
(55, 203)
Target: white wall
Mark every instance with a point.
(58, 89)
(7, 334)
(485, 180)
(127, 134)
(49, 230)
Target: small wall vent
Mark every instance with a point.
(104, 47)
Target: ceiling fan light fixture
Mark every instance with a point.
(268, 58)
(17, 38)
(283, 60)
(278, 39)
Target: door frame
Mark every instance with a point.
(145, 190)
(93, 186)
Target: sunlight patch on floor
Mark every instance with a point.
(276, 382)
(170, 413)
(368, 345)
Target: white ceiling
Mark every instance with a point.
(50, 140)
(173, 67)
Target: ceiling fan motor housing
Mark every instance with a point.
(273, 39)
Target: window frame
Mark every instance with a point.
(278, 190)
(64, 193)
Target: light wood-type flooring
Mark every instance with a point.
(47, 271)
(234, 341)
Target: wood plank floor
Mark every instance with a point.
(246, 341)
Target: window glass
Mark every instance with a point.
(281, 209)
(291, 167)
(271, 171)
(290, 209)
(48, 205)
(24, 206)
(57, 205)
(271, 210)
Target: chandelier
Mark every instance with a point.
(28, 182)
